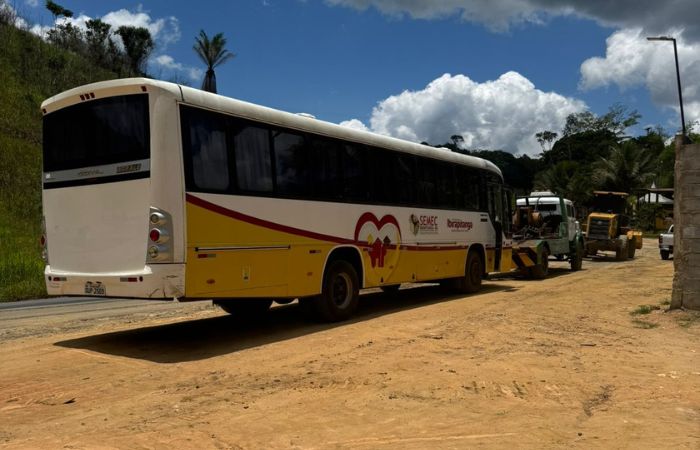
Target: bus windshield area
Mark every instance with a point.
(97, 133)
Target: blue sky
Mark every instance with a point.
(516, 67)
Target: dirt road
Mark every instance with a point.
(525, 364)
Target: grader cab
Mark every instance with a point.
(609, 226)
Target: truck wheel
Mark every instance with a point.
(245, 307)
(577, 257)
(621, 251)
(631, 248)
(340, 293)
(665, 254)
(473, 271)
(541, 270)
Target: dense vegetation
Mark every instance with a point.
(591, 154)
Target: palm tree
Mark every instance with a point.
(213, 54)
(628, 167)
(569, 179)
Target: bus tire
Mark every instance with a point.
(245, 308)
(340, 293)
(473, 272)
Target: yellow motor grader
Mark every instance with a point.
(608, 227)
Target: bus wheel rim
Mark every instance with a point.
(341, 292)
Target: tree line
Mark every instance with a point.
(590, 153)
(97, 42)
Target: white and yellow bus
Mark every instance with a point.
(155, 190)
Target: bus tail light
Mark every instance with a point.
(160, 225)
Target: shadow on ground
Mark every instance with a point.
(206, 338)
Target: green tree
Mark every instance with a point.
(587, 137)
(67, 37)
(628, 167)
(457, 140)
(138, 46)
(213, 54)
(58, 10)
(570, 179)
(98, 39)
(518, 172)
(585, 146)
(616, 120)
(545, 139)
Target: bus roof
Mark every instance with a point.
(264, 114)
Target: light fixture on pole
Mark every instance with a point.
(678, 77)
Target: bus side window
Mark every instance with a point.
(446, 185)
(293, 165)
(325, 168)
(252, 150)
(355, 179)
(426, 178)
(207, 151)
(467, 182)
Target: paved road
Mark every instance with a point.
(18, 319)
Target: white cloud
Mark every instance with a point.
(32, 3)
(500, 114)
(355, 124)
(652, 15)
(168, 62)
(497, 15)
(9, 13)
(632, 61)
(165, 30)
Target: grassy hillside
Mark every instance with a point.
(31, 70)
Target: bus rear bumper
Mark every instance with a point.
(156, 281)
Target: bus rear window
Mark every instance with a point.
(99, 132)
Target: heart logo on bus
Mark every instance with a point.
(382, 239)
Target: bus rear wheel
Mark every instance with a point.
(340, 293)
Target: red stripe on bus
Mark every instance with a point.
(267, 224)
(298, 231)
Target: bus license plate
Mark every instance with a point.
(96, 288)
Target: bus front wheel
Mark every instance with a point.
(473, 271)
(340, 293)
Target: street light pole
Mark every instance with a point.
(678, 76)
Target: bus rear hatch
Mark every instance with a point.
(96, 185)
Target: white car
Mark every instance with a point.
(666, 243)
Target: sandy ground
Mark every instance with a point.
(524, 364)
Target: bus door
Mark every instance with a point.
(498, 213)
